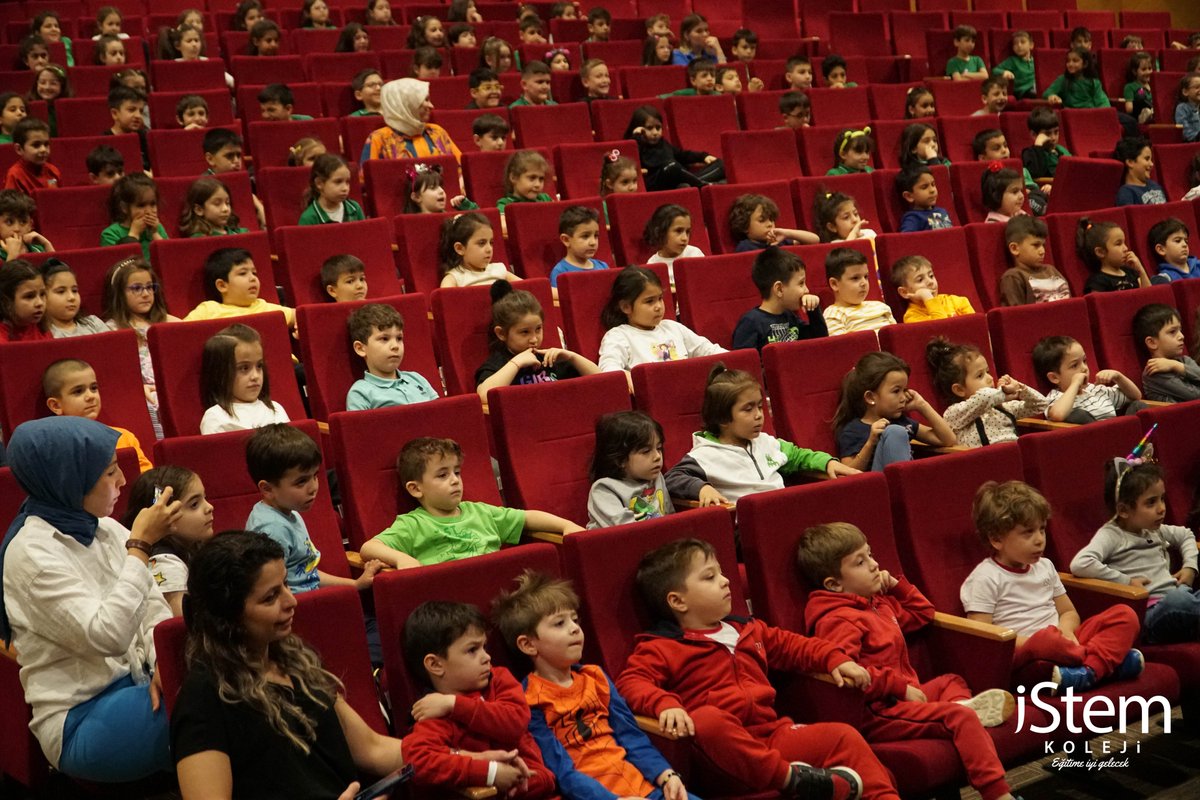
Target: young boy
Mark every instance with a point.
(752, 220)
(127, 108)
(848, 272)
(1018, 67)
(1064, 365)
(485, 88)
(1015, 587)
(223, 153)
(1168, 239)
(780, 278)
(659, 25)
(796, 109)
(702, 75)
(833, 68)
(867, 611)
(1030, 279)
(745, 44)
(377, 335)
(531, 31)
(33, 170)
(105, 165)
(191, 112)
(798, 73)
(596, 80)
(963, 66)
(992, 145)
(490, 132)
(71, 390)
(915, 282)
(535, 86)
(275, 103)
(730, 82)
(231, 282)
(584, 729)
(344, 278)
(579, 231)
(918, 188)
(17, 236)
(1081, 37)
(598, 23)
(703, 673)
(1042, 158)
(1170, 375)
(34, 53)
(367, 86)
(993, 93)
(475, 707)
(446, 527)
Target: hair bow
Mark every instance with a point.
(612, 155)
(415, 170)
(550, 54)
(995, 166)
(849, 135)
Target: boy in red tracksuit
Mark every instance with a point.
(704, 674)
(473, 728)
(866, 611)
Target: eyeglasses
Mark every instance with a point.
(142, 288)
(491, 86)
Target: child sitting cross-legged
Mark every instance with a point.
(446, 527)
(472, 729)
(345, 278)
(780, 279)
(71, 390)
(1030, 279)
(915, 282)
(579, 231)
(1170, 374)
(1074, 398)
(866, 611)
(919, 190)
(1168, 239)
(703, 674)
(1016, 587)
(627, 471)
(231, 282)
(586, 733)
(752, 222)
(848, 272)
(377, 334)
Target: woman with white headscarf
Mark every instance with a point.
(409, 134)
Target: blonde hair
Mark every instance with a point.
(537, 596)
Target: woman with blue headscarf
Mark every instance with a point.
(79, 604)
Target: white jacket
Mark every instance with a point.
(735, 471)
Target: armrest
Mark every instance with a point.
(1098, 586)
(544, 536)
(478, 792)
(1092, 596)
(1157, 403)
(922, 449)
(1040, 424)
(970, 627)
(683, 503)
(980, 652)
(322, 427)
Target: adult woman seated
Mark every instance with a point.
(257, 716)
(405, 106)
(79, 604)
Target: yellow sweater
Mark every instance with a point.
(943, 306)
(211, 309)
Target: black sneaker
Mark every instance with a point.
(813, 783)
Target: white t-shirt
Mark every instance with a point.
(624, 347)
(1101, 402)
(464, 276)
(1019, 599)
(169, 572)
(245, 416)
(691, 251)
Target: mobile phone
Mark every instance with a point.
(384, 787)
(157, 494)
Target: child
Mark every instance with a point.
(837, 218)
(918, 188)
(12, 111)
(379, 12)
(426, 31)
(71, 390)
(33, 53)
(1081, 38)
(656, 51)
(1003, 193)
(354, 38)
(1134, 548)
(1187, 112)
(426, 64)
(849, 275)
(780, 279)
(33, 170)
(696, 42)
(1018, 67)
(344, 278)
(315, 14)
(852, 152)
(745, 45)
(105, 165)
(833, 68)
(496, 54)
(47, 26)
(535, 86)
(716, 471)
(991, 145)
(1138, 188)
(247, 13)
(485, 88)
(1016, 587)
(636, 332)
(919, 103)
(658, 25)
(445, 527)
(474, 707)
(919, 147)
(796, 109)
(517, 356)
(222, 151)
(915, 282)
(264, 39)
(583, 727)
(618, 175)
(980, 411)
(461, 35)
(367, 86)
(702, 75)
(466, 251)
(133, 208)
(426, 192)
(275, 103)
(596, 80)
(867, 611)
(524, 178)
(530, 30)
(109, 51)
(1168, 239)
(463, 11)
(963, 66)
(1030, 279)
(599, 21)
(1079, 86)
(994, 95)
(1063, 363)
(191, 112)
(664, 163)
(17, 236)
(234, 384)
(1170, 375)
(64, 316)
(870, 424)
(1102, 247)
(305, 151)
(579, 231)
(377, 335)
(669, 232)
(1041, 160)
(208, 210)
(127, 107)
(798, 73)
(490, 132)
(752, 222)
(231, 283)
(558, 59)
(50, 82)
(1139, 102)
(327, 199)
(22, 302)
(704, 674)
(627, 471)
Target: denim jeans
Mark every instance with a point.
(1174, 618)
(115, 737)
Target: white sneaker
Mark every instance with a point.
(994, 706)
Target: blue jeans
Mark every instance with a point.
(1174, 618)
(115, 737)
(893, 446)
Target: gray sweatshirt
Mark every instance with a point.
(1171, 387)
(613, 501)
(1117, 555)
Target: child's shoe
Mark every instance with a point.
(814, 783)
(994, 706)
(1131, 666)
(1078, 678)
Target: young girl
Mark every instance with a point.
(981, 411)
(22, 302)
(170, 557)
(463, 11)
(1187, 112)
(1003, 192)
(208, 210)
(1138, 188)
(627, 471)
(191, 16)
(496, 54)
(133, 208)
(1134, 547)
(64, 317)
(327, 198)
(919, 147)
(305, 151)
(12, 111)
(234, 384)
(558, 60)
(524, 177)
(46, 25)
(838, 219)
(245, 15)
(665, 164)
(852, 152)
(656, 51)
(1193, 179)
(315, 14)
(618, 174)
(426, 64)
(379, 12)
(669, 232)
(718, 467)
(109, 21)
(109, 51)
(33, 53)
(354, 39)
(517, 357)
(49, 84)
(368, 90)
(1139, 103)
(426, 192)
(636, 331)
(264, 39)
(695, 41)
(919, 103)
(1102, 247)
(426, 32)
(752, 222)
(1079, 86)
(871, 427)
(466, 251)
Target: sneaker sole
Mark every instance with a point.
(994, 707)
(851, 777)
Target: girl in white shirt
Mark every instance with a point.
(669, 231)
(234, 383)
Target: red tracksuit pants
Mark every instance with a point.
(943, 718)
(758, 757)
(1104, 639)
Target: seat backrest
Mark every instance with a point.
(178, 152)
(70, 154)
(1016, 330)
(957, 133)
(966, 179)
(752, 155)
(386, 179)
(172, 199)
(1143, 218)
(577, 165)
(888, 100)
(888, 134)
(1063, 227)
(714, 292)
(90, 265)
(759, 111)
(990, 259)
(533, 235)
(858, 33)
(1178, 452)
(170, 641)
(458, 123)
(282, 189)
(418, 237)
(621, 53)
(338, 67)
(816, 147)
(956, 98)
(178, 76)
(545, 466)
(355, 131)
(304, 248)
(1089, 130)
(271, 141)
(1112, 316)
(82, 116)
(1164, 88)
(908, 29)
(162, 107)
(256, 70)
(909, 343)
(483, 175)
(647, 82)
(1085, 184)
(943, 248)
(848, 107)
(611, 118)
(583, 296)
(1016, 131)
(698, 122)
(183, 281)
(892, 206)
(857, 186)
(629, 212)
(73, 216)
(718, 199)
(546, 126)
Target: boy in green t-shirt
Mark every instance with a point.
(445, 528)
(963, 66)
(1018, 67)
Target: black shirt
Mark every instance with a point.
(1103, 282)
(758, 329)
(539, 374)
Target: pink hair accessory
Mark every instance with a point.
(612, 155)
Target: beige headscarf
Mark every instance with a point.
(400, 103)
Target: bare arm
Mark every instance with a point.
(1068, 617)
(205, 776)
(1061, 407)
(373, 548)
(937, 432)
(372, 752)
(543, 521)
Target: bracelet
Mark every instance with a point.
(138, 544)
(667, 778)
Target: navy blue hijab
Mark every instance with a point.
(57, 461)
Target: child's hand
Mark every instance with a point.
(914, 695)
(150, 219)
(849, 672)
(672, 788)
(1040, 140)
(711, 497)
(137, 224)
(552, 355)
(370, 570)
(1106, 377)
(1010, 385)
(810, 302)
(457, 200)
(1081, 378)
(1157, 365)
(923, 295)
(1054, 100)
(877, 429)
(1185, 576)
(1046, 188)
(526, 359)
(33, 237)
(917, 403)
(1133, 262)
(888, 580)
(709, 159)
(639, 131)
(434, 705)
(836, 469)
(756, 85)
(1140, 581)
(856, 231)
(927, 151)
(154, 522)
(571, 527)
(507, 776)
(1008, 76)
(13, 245)
(712, 44)
(676, 722)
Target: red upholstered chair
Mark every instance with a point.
(759, 111)
(70, 154)
(648, 82)
(281, 190)
(628, 214)
(889, 100)
(909, 342)
(611, 118)
(1090, 130)
(172, 199)
(338, 67)
(162, 107)
(908, 29)
(957, 133)
(90, 266)
(887, 134)
(966, 182)
(458, 123)
(259, 71)
(1142, 218)
(697, 122)
(304, 248)
(1085, 184)
(386, 179)
(816, 147)
(1016, 330)
(306, 97)
(82, 116)
(714, 292)
(955, 98)
(945, 249)
(718, 199)
(857, 186)
(1174, 162)
(271, 142)
(483, 175)
(417, 236)
(73, 216)
(1187, 300)
(577, 166)
(892, 206)
(844, 107)
(626, 53)
(533, 235)
(1178, 452)
(546, 126)
(754, 155)
(1062, 240)
(1112, 327)
(178, 76)
(1016, 131)
(583, 296)
(990, 259)
(183, 283)
(176, 152)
